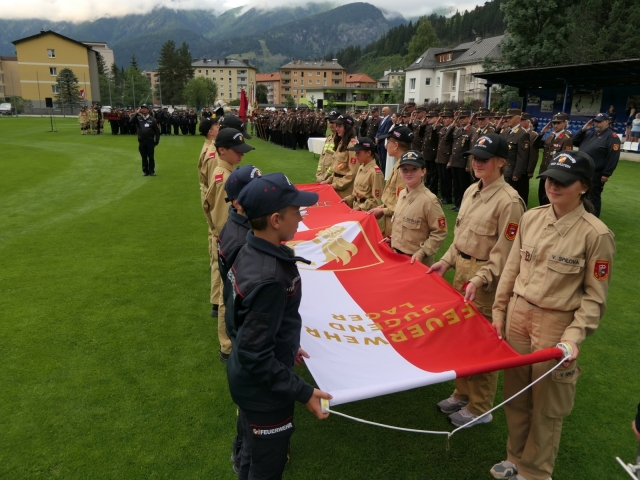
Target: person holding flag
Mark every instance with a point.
(482, 239)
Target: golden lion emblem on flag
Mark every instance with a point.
(334, 246)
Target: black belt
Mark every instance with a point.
(338, 175)
(361, 200)
(398, 251)
(469, 257)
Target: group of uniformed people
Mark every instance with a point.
(540, 277)
(290, 129)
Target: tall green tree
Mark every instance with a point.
(536, 33)
(174, 71)
(101, 66)
(200, 92)
(262, 93)
(424, 39)
(68, 89)
(134, 88)
(289, 102)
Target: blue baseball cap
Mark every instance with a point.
(240, 177)
(272, 192)
(601, 117)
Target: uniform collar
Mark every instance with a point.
(225, 164)
(564, 224)
(237, 218)
(490, 190)
(411, 196)
(282, 252)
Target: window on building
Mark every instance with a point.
(318, 81)
(295, 96)
(427, 81)
(295, 80)
(295, 74)
(302, 74)
(53, 71)
(231, 95)
(325, 83)
(336, 82)
(301, 82)
(317, 74)
(199, 71)
(419, 60)
(426, 100)
(229, 72)
(221, 71)
(206, 72)
(325, 74)
(51, 53)
(438, 81)
(54, 89)
(221, 94)
(412, 99)
(412, 83)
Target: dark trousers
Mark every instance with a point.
(148, 161)
(382, 154)
(176, 129)
(521, 186)
(595, 193)
(431, 179)
(542, 193)
(115, 127)
(265, 443)
(461, 181)
(444, 174)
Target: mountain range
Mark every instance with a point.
(276, 35)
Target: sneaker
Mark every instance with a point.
(451, 404)
(214, 311)
(223, 356)
(464, 416)
(152, 174)
(504, 469)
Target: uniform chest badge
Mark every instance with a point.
(146, 125)
(601, 269)
(442, 223)
(510, 231)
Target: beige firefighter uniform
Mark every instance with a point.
(553, 287)
(326, 160)
(343, 170)
(418, 224)
(390, 195)
(207, 162)
(367, 188)
(485, 229)
(217, 210)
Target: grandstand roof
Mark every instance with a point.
(605, 73)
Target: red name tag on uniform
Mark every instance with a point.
(511, 231)
(601, 270)
(442, 223)
(218, 177)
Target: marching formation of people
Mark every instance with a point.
(289, 129)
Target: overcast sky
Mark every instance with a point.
(81, 10)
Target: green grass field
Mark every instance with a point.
(108, 355)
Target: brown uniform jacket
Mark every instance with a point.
(485, 229)
(326, 159)
(533, 152)
(367, 188)
(519, 151)
(418, 135)
(461, 144)
(343, 170)
(551, 145)
(560, 264)
(215, 206)
(372, 126)
(391, 192)
(418, 224)
(430, 143)
(478, 132)
(445, 142)
(206, 164)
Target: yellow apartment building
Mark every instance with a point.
(229, 74)
(42, 56)
(297, 76)
(9, 77)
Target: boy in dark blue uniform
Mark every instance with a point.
(264, 326)
(231, 239)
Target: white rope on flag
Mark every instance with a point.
(567, 350)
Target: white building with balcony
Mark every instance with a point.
(447, 74)
(229, 74)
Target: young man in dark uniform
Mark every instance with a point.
(515, 171)
(264, 326)
(558, 140)
(148, 138)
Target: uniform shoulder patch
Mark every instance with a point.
(398, 190)
(442, 223)
(376, 193)
(353, 160)
(218, 177)
(377, 170)
(614, 134)
(212, 154)
(510, 231)
(601, 269)
(568, 147)
(616, 146)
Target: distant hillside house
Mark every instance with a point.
(390, 77)
(360, 80)
(229, 74)
(103, 49)
(444, 74)
(152, 76)
(42, 56)
(298, 76)
(272, 81)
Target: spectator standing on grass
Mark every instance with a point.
(635, 128)
(553, 288)
(264, 325)
(603, 146)
(148, 138)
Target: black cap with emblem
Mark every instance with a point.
(412, 157)
(401, 134)
(489, 146)
(364, 143)
(569, 167)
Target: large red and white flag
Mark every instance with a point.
(373, 323)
